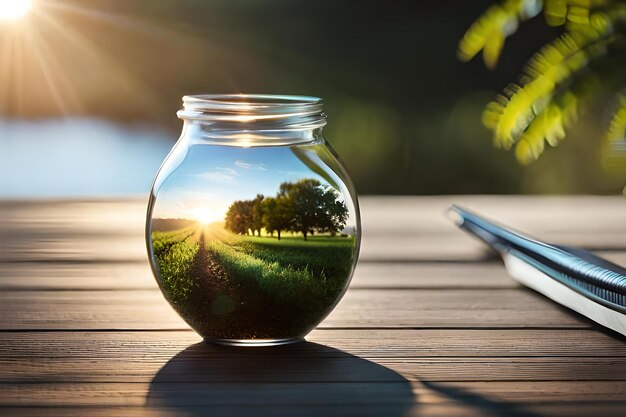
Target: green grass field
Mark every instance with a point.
(297, 280)
(324, 256)
(174, 253)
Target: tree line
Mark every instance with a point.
(305, 206)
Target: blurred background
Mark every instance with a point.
(89, 90)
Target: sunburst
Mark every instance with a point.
(12, 10)
(35, 71)
(205, 215)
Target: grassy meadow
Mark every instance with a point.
(232, 286)
(174, 253)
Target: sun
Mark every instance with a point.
(204, 215)
(14, 9)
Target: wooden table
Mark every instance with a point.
(431, 325)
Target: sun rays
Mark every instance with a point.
(11, 10)
(48, 63)
(117, 60)
(206, 216)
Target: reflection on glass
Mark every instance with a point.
(253, 243)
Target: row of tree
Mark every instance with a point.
(305, 206)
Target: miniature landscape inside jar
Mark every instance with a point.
(253, 243)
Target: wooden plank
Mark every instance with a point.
(113, 230)
(472, 370)
(214, 393)
(418, 229)
(146, 309)
(466, 409)
(76, 276)
(618, 257)
(597, 217)
(112, 276)
(74, 217)
(384, 248)
(368, 275)
(432, 275)
(41, 246)
(72, 230)
(93, 248)
(404, 343)
(166, 357)
(109, 357)
(451, 308)
(460, 247)
(192, 365)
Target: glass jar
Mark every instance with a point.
(253, 226)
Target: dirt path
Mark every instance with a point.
(225, 307)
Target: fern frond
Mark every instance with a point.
(490, 30)
(617, 127)
(560, 12)
(510, 115)
(500, 21)
(527, 114)
(616, 133)
(544, 103)
(555, 12)
(548, 126)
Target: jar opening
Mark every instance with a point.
(253, 119)
(249, 99)
(279, 111)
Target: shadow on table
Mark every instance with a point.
(300, 379)
(484, 405)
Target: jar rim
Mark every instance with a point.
(248, 101)
(254, 119)
(280, 109)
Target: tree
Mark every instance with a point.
(314, 207)
(305, 206)
(277, 214)
(334, 213)
(256, 221)
(239, 217)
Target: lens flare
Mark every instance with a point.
(205, 216)
(14, 9)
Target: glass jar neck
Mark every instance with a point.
(252, 119)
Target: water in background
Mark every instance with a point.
(78, 157)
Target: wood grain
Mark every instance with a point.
(137, 275)
(214, 393)
(431, 326)
(469, 407)
(387, 343)
(146, 309)
(307, 362)
(418, 229)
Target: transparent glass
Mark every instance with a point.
(253, 224)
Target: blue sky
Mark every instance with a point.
(212, 177)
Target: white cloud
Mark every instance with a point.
(248, 165)
(220, 175)
(295, 173)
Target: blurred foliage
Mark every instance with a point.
(404, 113)
(366, 134)
(561, 80)
(615, 148)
